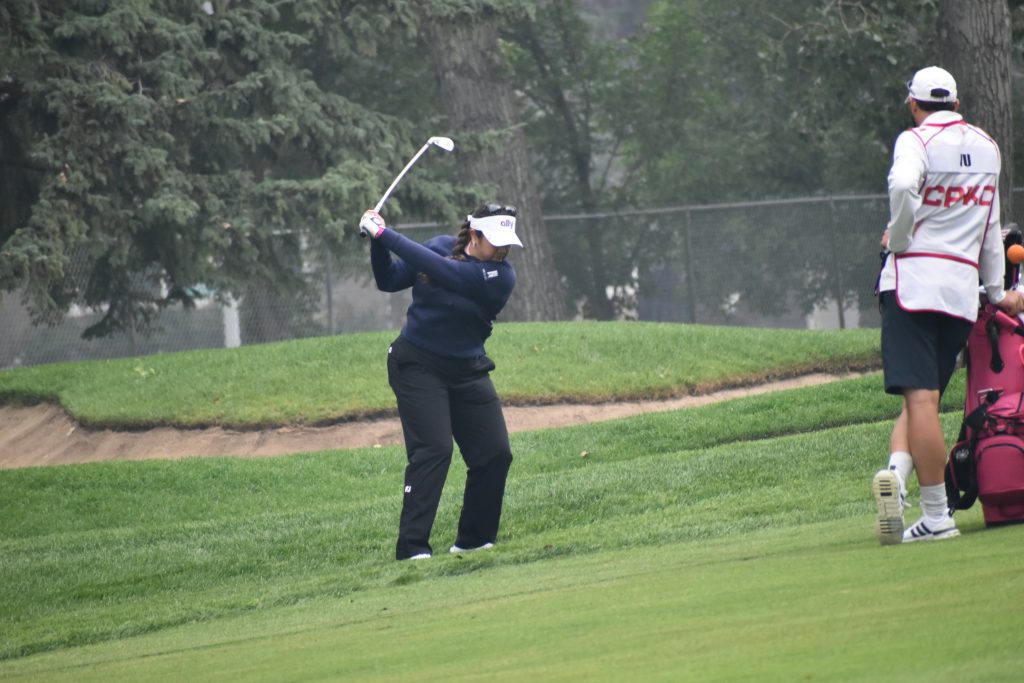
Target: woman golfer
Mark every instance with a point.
(440, 373)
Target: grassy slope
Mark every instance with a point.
(96, 553)
(331, 378)
(729, 542)
(817, 600)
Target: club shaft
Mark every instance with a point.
(394, 183)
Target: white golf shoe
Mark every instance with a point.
(456, 550)
(890, 499)
(931, 529)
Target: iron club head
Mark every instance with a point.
(444, 143)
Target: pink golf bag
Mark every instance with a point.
(987, 463)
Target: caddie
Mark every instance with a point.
(942, 239)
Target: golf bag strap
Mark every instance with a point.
(961, 495)
(972, 424)
(976, 419)
(992, 332)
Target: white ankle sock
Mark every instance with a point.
(903, 465)
(933, 501)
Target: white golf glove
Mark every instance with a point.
(371, 224)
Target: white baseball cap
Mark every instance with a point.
(932, 84)
(500, 230)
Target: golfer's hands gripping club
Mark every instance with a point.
(371, 224)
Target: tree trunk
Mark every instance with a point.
(578, 144)
(478, 102)
(975, 44)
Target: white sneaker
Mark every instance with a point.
(890, 501)
(903, 489)
(419, 556)
(931, 529)
(456, 550)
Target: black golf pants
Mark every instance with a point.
(440, 399)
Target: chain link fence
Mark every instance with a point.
(799, 263)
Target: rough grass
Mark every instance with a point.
(327, 379)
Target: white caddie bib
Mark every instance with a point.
(939, 270)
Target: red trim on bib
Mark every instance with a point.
(927, 254)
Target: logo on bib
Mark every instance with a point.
(940, 195)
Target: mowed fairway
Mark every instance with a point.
(812, 602)
(771, 573)
(729, 542)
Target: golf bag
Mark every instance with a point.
(987, 462)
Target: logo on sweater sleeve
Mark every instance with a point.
(490, 274)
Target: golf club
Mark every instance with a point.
(444, 143)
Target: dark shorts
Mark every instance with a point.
(919, 350)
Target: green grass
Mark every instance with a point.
(778, 604)
(103, 553)
(729, 542)
(327, 379)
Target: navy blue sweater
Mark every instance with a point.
(454, 306)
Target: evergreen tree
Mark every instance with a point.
(158, 145)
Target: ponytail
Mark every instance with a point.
(461, 242)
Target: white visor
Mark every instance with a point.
(499, 230)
